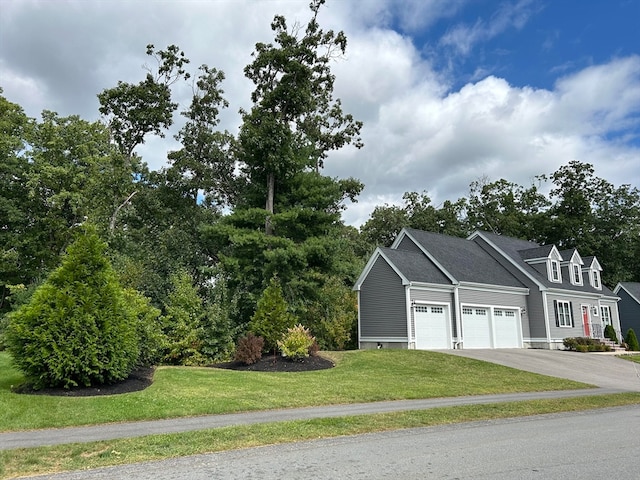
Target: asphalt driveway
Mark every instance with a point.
(601, 369)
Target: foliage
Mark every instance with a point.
(296, 342)
(585, 344)
(249, 349)
(386, 221)
(333, 316)
(272, 317)
(632, 341)
(217, 325)
(150, 337)
(77, 329)
(610, 333)
(182, 322)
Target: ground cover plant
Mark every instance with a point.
(358, 376)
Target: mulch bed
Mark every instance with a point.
(141, 378)
(277, 363)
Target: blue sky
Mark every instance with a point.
(450, 91)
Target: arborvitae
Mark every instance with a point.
(631, 340)
(77, 329)
(272, 318)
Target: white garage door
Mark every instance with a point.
(505, 324)
(432, 327)
(476, 331)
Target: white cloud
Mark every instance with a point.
(419, 134)
(464, 37)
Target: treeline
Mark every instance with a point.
(232, 214)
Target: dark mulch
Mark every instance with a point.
(277, 363)
(143, 377)
(139, 379)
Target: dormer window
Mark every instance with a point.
(577, 274)
(594, 273)
(555, 271)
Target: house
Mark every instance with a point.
(433, 291)
(629, 305)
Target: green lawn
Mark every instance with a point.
(359, 376)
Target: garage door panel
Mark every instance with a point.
(476, 327)
(505, 324)
(432, 327)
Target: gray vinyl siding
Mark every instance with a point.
(382, 303)
(407, 244)
(563, 332)
(535, 315)
(615, 315)
(629, 311)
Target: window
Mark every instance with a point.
(497, 313)
(595, 276)
(606, 315)
(481, 311)
(564, 314)
(577, 274)
(437, 310)
(467, 311)
(509, 313)
(555, 271)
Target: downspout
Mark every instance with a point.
(407, 297)
(456, 312)
(546, 317)
(359, 322)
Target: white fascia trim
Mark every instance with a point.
(575, 293)
(384, 339)
(426, 252)
(509, 259)
(365, 272)
(493, 288)
(620, 286)
(434, 287)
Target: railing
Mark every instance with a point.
(596, 331)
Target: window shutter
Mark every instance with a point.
(555, 308)
(571, 313)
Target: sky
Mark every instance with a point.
(449, 91)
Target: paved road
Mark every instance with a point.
(595, 444)
(611, 374)
(56, 436)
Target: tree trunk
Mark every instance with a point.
(271, 186)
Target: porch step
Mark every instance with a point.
(615, 347)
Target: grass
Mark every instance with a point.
(633, 357)
(359, 376)
(45, 460)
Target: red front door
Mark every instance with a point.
(585, 321)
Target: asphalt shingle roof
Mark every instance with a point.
(463, 259)
(514, 247)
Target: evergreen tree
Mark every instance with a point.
(631, 340)
(272, 317)
(77, 329)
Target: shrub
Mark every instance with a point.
(77, 329)
(272, 317)
(249, 349)
(610, 333)
(296, 343)
(181, 322)
(632, 340)
(150, 337)
(585, 344)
